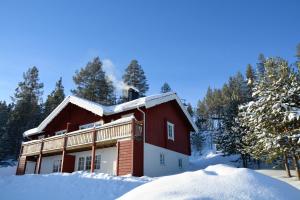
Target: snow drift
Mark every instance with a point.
(215, 182)
(75, 186)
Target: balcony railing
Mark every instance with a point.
(105, 133)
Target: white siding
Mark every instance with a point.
(108, 160)
(152, 166)
(30, 166)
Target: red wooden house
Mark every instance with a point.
(146, 136)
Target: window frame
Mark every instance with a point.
(88, 163)
(56, 167)
(172, 136)
(91, 125)
(97, 163)
(162, 159)
(180, 163)
(81, 163)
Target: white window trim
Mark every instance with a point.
(61, 132)
(173, 131)
(56, 164)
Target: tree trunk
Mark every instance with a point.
(296, 164)
(286, 165)
(258, 164)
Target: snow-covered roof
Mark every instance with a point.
(147, 102)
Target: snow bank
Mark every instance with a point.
(210, 158)
(8, 171)
(215, 182)
(78, 185)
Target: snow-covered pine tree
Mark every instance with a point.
(165, 88)
(260, 66)
(93, 84)
(135, 76)
(55, 98)
(273, 117)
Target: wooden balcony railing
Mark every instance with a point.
(110, 132)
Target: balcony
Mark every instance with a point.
(103, 135)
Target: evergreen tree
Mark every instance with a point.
(250, 74)
(92, 84)
(190, 109)
(261, 65)
(27, 109)
(165, 88)
(135, 76)
(55, 98)
(4, 116)
(273, 118)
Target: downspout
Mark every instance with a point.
(144, 124)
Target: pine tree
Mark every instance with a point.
(190, 109)
(135, 76)
(55, 98)
(92, 84)
(27, 109)
(165, 88)
(261, 65)
(250, 74)
(4, 117)
(273, 116)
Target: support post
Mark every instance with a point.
(93, 151)
(63, 153)
(39, 161)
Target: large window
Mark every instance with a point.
(162, 159)
(97, 163)
(170, 130)
(88, 161)
(81, 163)
(91, 125)
(56, 166)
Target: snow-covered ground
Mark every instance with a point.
(75, 186)
(207, 179)
(220, 182)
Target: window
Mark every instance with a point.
(170, 130)
(180, 163)
(81, 163)
(56, 166)
(91, 125)
(60, 132)
(162, 159)
(88, 162)
(97, 163)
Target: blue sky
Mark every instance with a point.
(189, 44)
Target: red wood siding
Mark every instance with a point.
(72, 114)
(125, 157)
(21, 166)
(156, 127)
(69, 164)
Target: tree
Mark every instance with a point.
(93, 84)
(4, 117)
(27, 109)
(273, 118)
(135, 76)
(55, 98)
(250, 74)
(165, 88)
(261, 65)
(190, 109)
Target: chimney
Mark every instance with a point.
(132, 93)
